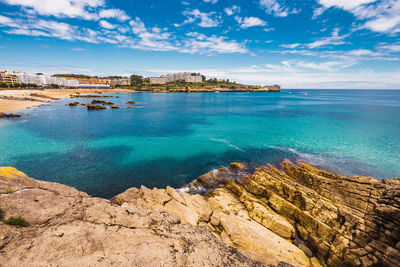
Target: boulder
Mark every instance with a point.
(9, 115)
(95, 107)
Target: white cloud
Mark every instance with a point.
(273, 7)
(107, 25)
(6, 21)
(390, 47)
(206, 19)
(291, 76)
(86, 9)
(211, 1)
(202, 44)
(250, 22)
(114, 13)
(345, 4)
(232, 10)
(78, 49)
(379, 16)
(334, 39)
(290, 45)
(383, 53)
(326, 66)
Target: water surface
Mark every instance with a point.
(171, 139)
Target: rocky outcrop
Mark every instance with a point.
(44, 96)
(9, 115)
(297, 215)
(102, 102)
(300, 214)
(72, 104)
(95, 107)
(68, 228)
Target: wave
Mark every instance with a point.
(228, 143)
(311, 158)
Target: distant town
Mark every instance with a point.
(177, 82)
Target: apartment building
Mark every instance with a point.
(45, 80)
(176, 77)
(120, 82)
(8, 78)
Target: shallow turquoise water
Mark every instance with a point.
(171, 139)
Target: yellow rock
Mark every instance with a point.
(237, 166)
(10, 172)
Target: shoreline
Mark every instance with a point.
(18, 100)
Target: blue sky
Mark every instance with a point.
(298, 44)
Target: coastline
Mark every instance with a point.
(17, 100)
(297, 215)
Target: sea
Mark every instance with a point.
(172, 138)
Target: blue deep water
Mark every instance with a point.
(171, 139)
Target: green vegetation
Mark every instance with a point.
(136, 80)
(74, 76)
(211, 84)
(19, 221)
(8, 191)
(1, 213)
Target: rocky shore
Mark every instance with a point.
(296, 215)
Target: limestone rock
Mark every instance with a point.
(69, 228)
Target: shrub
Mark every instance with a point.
(1, 213)
(9, 191)
(19, 221)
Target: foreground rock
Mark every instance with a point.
(69, 228)
(301, 215)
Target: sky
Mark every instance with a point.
(311, 44)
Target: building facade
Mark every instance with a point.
(177, 77)
(120, 82)
(8, 78)
(45, 80)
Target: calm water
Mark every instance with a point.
(171, 139)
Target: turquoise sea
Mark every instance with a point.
(171, 139)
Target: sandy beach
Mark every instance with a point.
(14, 100)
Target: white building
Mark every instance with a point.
(45, 80)
(176, 77)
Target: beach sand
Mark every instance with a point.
(11, 105)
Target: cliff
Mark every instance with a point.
(299, 216)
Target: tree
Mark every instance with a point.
(136, 79)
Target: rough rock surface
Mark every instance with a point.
(69, 228)
(301, 215)
(296, 216)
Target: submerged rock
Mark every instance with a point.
(96, 101)
(131, 102)
(73, 104)
(114, 107)
(130, 107)
(95, 107)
